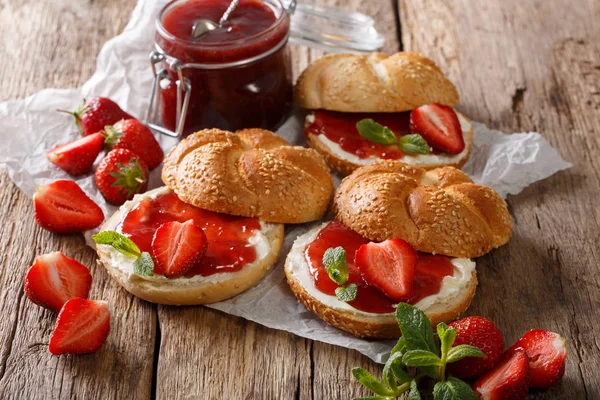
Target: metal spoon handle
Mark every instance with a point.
(229, 10)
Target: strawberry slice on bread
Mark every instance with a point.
(82, 327)
(547, 352)
(54, 279)
(63, 207)
(177, 247)
(439, 126)
(389, 266)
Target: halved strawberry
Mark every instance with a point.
(62, 207)
(509, 380)
(177, 247)
(439, 126)
(78, 156)
(547, 352)
(54, 278)
(482, 333)
(82, 327)
(389, 266)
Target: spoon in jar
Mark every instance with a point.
(202, 26)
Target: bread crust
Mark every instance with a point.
(171, 292)
(374, 82)
(377, 326)
(252, 173)
(346, 167)
(440, 211)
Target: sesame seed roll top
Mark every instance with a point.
(440, 211)
(374, 82)
(252, 173)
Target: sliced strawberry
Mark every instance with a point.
(78, 156)
(177, 247)
(82, 327)
(54, 278)
(389, 266)
(439, 126)
(509, 380)
(479, 332)
(62, 207)
(547, 352)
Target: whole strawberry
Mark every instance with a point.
(547, 352)
(132, 135)
(120, 175)
(479, 332)
(96, 113)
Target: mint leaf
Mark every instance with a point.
(392, 371)
(144, 265)
(421, 358)
(375, 132)
(400, 347)
(347, 293)
(464, 350)
(370, 382)
(413, 143)
(416, 328)
(447, 336)
(121, 243)
(453, 389)
(334, 260)
(414, 391)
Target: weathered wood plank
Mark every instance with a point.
(39, 50)
(523, 66)
(207, 353)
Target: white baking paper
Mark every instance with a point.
(30, 127)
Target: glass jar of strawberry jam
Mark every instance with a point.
(235, 76)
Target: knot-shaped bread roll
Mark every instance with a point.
(252, 173)
(374, 82)
(440, 211)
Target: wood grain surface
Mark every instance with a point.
(519, 66)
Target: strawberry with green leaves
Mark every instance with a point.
(96, 113)
(132, 135)
(120, 175)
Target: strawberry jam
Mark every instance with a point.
(228, 248)
(430, 270)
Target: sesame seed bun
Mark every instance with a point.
(362, 324)
(342, 163)
(373, 83)
(252, 172)
(186, 291)
(439, 211)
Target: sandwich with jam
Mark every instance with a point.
(367, 108)
(401, 234)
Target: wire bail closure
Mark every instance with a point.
(184, 88)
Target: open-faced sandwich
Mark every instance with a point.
(365, 108)
(400, 234)
(216, 228)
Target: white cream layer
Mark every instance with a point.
(417, 159)
(450, 289)
(260, 241)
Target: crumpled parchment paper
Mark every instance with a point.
(30, 127)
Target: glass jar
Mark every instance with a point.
(237, 76)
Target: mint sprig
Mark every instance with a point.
(334, 260)
(416, 356)
(143, 264)
(375, 132)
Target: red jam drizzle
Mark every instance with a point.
(430, 270)
(228, 248)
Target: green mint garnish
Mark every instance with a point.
(334, 260)
(347, 293)
(143, 264)
(416, 356)
(375, 132)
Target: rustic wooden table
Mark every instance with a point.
(519, 66)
